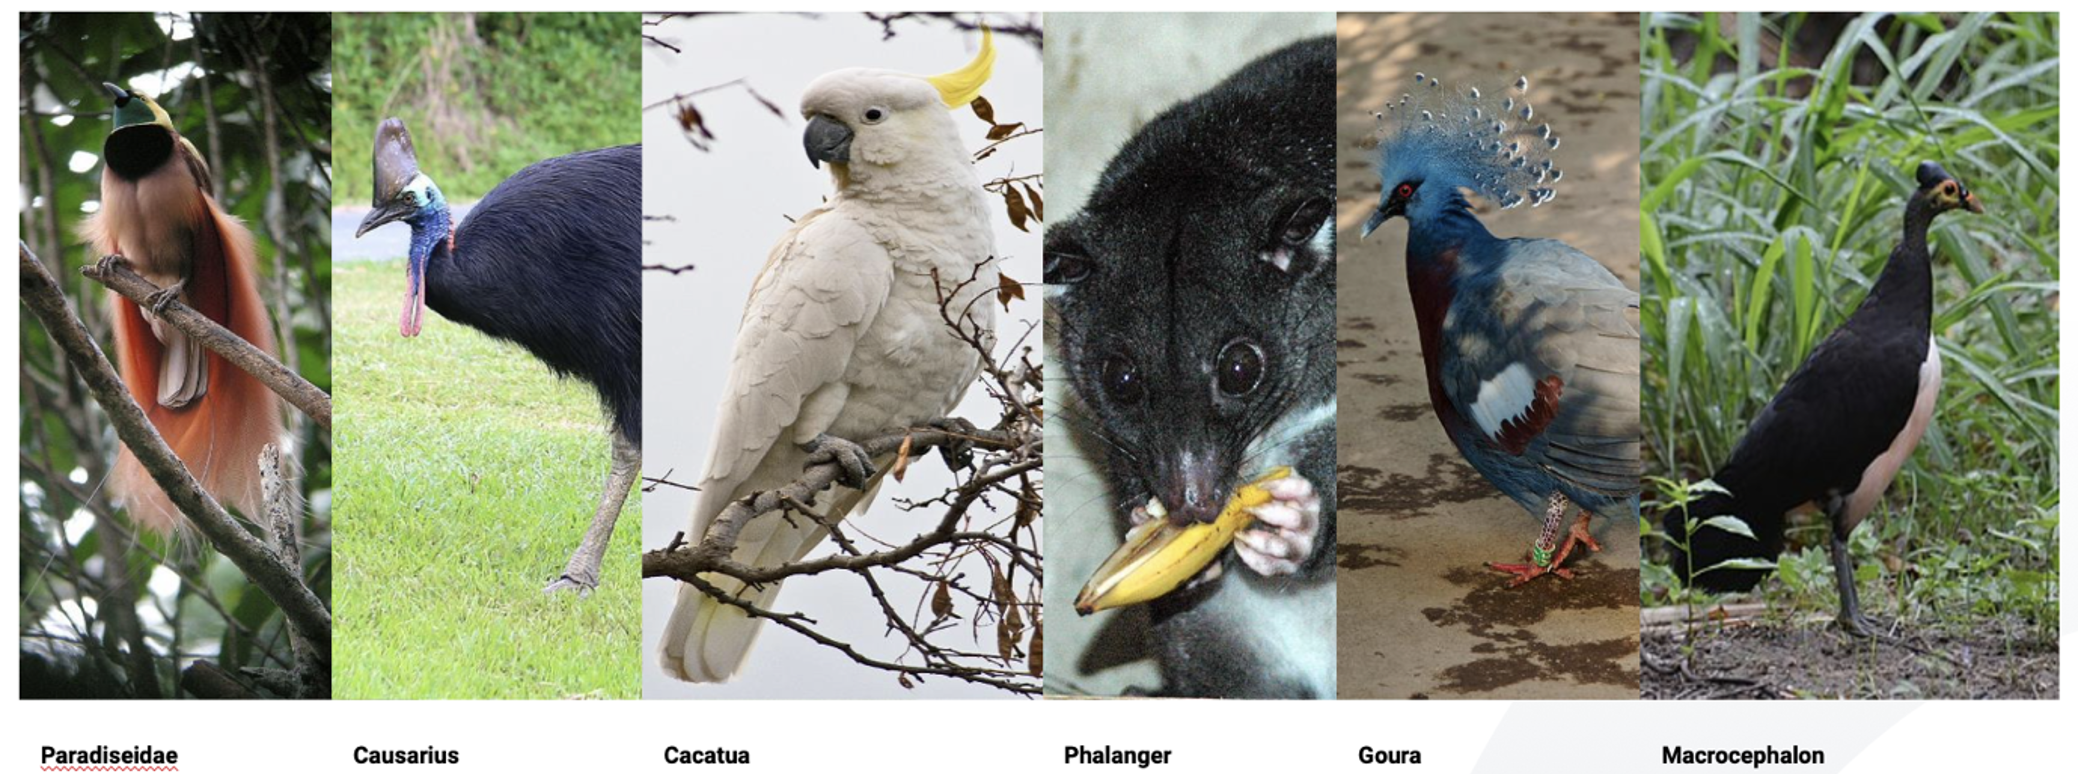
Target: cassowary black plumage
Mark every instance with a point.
(550, 260)
(1841, 427)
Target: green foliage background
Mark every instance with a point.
(485, 94)
(66, 444)
(1775, 177)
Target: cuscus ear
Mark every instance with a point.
(1068, 263)
(1303, 239)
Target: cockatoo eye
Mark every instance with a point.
(1240, 368)
(1121, 380)
(873, 115)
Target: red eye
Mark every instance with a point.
(1405, 191)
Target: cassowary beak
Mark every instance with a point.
(827, 140)
(387, 213)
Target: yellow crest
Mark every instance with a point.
(959, 87)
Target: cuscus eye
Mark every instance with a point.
(1121, 380)
(1239, 369)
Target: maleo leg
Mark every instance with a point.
(1851, 619)
(582, 573)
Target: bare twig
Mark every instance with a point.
(280, 581)
(292, 387)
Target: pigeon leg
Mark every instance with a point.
(850, 458)
(582, 573)
(1541, 552)
(1851, 619)
(1578, 535)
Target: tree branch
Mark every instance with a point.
(306, 397)
(281, 582)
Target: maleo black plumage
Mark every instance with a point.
(1843, 424)
(550, 259)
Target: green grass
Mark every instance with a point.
(484, 94)
(1773, 193)
(467, 473)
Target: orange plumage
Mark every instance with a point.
(215, 416)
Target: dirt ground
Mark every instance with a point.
(1767, 660)
(1420, 615)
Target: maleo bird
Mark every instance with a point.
(157, 213)
(1531, 346)
(1841, 427)
(551, 260)
(843, 336)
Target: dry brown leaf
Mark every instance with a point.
(1000, 131)
(902, 459)
(1008, 290)
(984, 110)
(1038, 204)
(1014, 202)
(941, 600)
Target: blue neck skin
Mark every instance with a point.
(431, 225)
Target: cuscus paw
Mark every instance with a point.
(1281, 540)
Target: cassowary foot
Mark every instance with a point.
(856, 468)
(959, 454)
(582, 582)
(582, 573)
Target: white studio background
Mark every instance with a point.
(729, 206)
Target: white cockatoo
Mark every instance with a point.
(843, 336)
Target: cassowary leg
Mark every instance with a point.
(1541, 553)
(1851, 619)
(582, 573)
(850, 458)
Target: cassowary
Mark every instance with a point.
(1530, 346)
(1841, 427)
(550, 260)
(157, 213)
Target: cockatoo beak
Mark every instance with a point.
(827, 140)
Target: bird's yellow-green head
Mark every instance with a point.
(143, 137)
(133, 109)
(862, 117)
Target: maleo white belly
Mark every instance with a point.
(1877, 477)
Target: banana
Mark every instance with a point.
(1159, 555)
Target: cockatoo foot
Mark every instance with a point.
(856, 468)
(959, 454)
(1282, 538)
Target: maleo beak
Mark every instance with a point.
(827, 140)
(1971, 203)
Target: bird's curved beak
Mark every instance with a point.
(827, 140)
(1378, 218)
(1971, 203)
(386, 213)
(119, 93)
